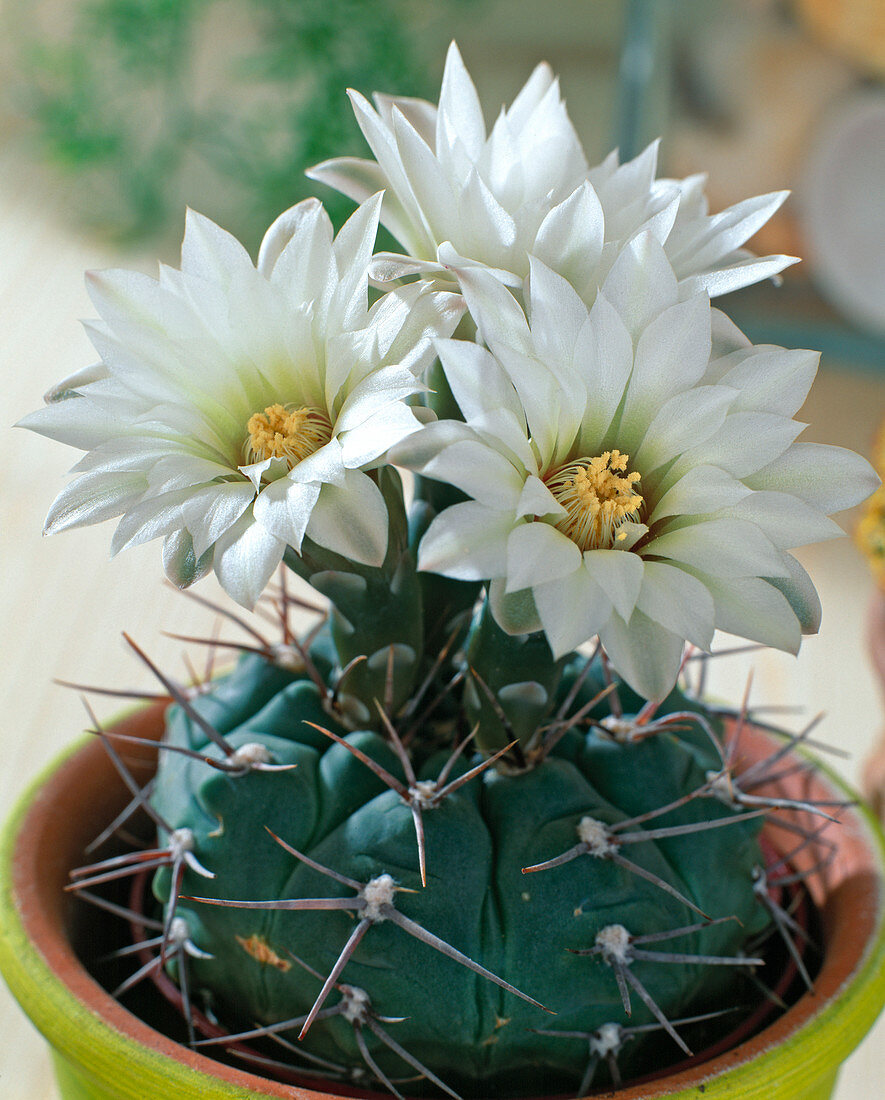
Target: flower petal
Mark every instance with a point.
(572, 610)
(645, 655)
(284, 508)
(467, 542)
(721, 547)
(211, 511)
(619, 575)
(92, 498)
(641, 283)
(514, 612)
(351, 520)
(537, 553)
(246, 556)
(678, 601)
(829, 478)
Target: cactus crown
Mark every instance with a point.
(410, 833)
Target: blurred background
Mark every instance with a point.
(115, 114)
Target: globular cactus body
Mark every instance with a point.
(528, 929)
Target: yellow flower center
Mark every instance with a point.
(292, 434)
(598, 496)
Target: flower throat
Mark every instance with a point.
(598, 496)
(292, 434)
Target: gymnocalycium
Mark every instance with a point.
(472, 831)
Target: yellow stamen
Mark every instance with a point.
(292, 434)
(598, 496)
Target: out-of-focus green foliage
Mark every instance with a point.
(219, 104)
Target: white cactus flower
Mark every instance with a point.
(627, 481)
(237, 409)
(458, 196)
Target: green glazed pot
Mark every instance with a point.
(103, 1052)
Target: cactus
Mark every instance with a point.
(432, 842)
(533, 872)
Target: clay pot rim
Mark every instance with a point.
(35, 948)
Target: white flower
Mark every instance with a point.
(625, 481)
(457, 196)
(237, 409)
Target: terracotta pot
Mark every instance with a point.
(103, 1052)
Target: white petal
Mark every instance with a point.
(487, 230)
(467, 542)
(479, 471)
(557, 316)
(677, 601)
(703, 489)
(538, 553)
(752, 608)
(77, 422)
(785, 519)
(358, 180)
(352, 249)
(428, 315)
(366, 445)
(572, 610)
(605, 349)
(180, 563)
(537, 500)
(684, 420)
(801, 594)
(619, 575)
(641, 283)
(727, 337)
(431, 188)
(828, 478)
(570, 239)
(92, 498)
(284, 507)
(351, 520)
(210, 252)
(647, 656)
(373, 393)
(745, 442)
(325, 465)
(499, 320)
(671, 355)
(149, 520)
(459, 110)
(422, 447)
(773, 380)
(382, 144)
(477, 381)
(514, 612)
(726, 232)
(743, 273)
(530, 96)
(297, 255)
(211, 511)
(245, 559)
(722, 547)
